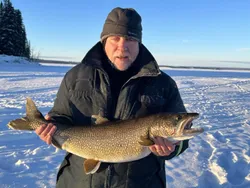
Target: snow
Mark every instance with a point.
(220, 157)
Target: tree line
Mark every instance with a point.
(13, 39)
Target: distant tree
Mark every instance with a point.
(19, 37)
(13, 39)
(1, 17)
(1, 11)
(1, 7)
(27, 52)
(7, 29)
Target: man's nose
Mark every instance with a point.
(122, 43)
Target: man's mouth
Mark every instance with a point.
(122, 57)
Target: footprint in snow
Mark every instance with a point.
(236, 167)
(13, 165)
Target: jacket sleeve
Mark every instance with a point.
(174, 101)
(175, 104)
(61, 111)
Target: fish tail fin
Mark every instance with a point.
(20, 124)
(32, 115)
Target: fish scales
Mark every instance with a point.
(110, 142)
(114, 142)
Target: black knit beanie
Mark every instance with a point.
(123, 22)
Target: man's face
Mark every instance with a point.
(121, 51)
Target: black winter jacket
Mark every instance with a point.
(85, 91)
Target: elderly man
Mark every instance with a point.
(118, 79)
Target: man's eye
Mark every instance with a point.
(115, 38)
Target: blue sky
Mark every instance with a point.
(180, 32)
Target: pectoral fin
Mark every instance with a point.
(91, 166)
(97, 119)
(146, 141)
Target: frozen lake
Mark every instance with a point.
(220, 157)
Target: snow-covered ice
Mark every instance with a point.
(220, 157)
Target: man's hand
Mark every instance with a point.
(162, 146)
(45, 132)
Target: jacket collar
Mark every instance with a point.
(96, 56)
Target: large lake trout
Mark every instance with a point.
(114, 142)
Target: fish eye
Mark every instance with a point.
(178, 118)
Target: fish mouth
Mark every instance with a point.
(187, 124)
(193, 131)
(187, 128)
(184, 130)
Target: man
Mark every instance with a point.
(118, 79)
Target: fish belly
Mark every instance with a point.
(114, 152)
